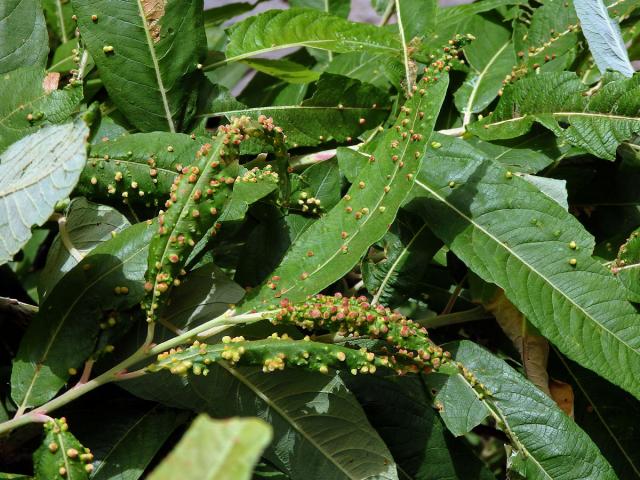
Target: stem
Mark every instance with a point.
(226, 320)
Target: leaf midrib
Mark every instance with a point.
(156, 67)
(566, 114)
(511, 252)
(285, 107)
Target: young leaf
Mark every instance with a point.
(61, 455)
(25, 105)
(136, 170)
(604, 37)
(216, 450)
(365, 212)
(318, 426)
(301, 27)
(340, 108)
(86, 225)
(512, 235)
(542, 435)
(35, 173)
(24, 36)
(64, 332)
(286, 70)
(598, 122)
(147, 53)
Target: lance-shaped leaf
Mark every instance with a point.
(64, 332)
(198, 195)
(86, 225)
(548, 443)
(24, 35)
(491, 57)
(147, 54)
(216, 450)
(597, 122)
(61, 455)
(339, 8)
(603, 36)
(59, 18)
(301, 27)
(25, 104)
(35, 173)
(511, 234)
(331, 246)
(339, 109)
(318, 426)
(136, 170)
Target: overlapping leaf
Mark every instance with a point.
(549, 444)
(512, 235)
(597, 121)
(35, 173)
(147, 54)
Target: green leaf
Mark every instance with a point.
(626, 267)
(219, 15)
(250, 186)
(365, 212)
(25, 105)
(24, 35)
(419, 441)
(491, 57)
(603, 36)
(603, 412)
(61, 455)
(146, 162)
(339, 8)
(407, 248)
(333, 113)
(216, 450)
(286, 70)
(597, 122)
(35, 173)
(135, 434)
(147, 54)
(197, 198)
(301, 27)
(511, 234)
(542, 435)
(380, 69)
(64, 332)
(86, 225)
(318, 426)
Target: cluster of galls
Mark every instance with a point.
(411, 349)
(273, 354)
(309, 204)
(444, 63)
(69, 455)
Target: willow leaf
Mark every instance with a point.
(216, 450)
(61, 454)
(339, 8)
(597, 122)
(301, 27)
(147, 54)
(333, 113)
(24, 35)
(35, 173)
(136, 170)
(365, 212)
(548, 443)
(603, 36)
(312, 414)
(64, 332)
(511, 234)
